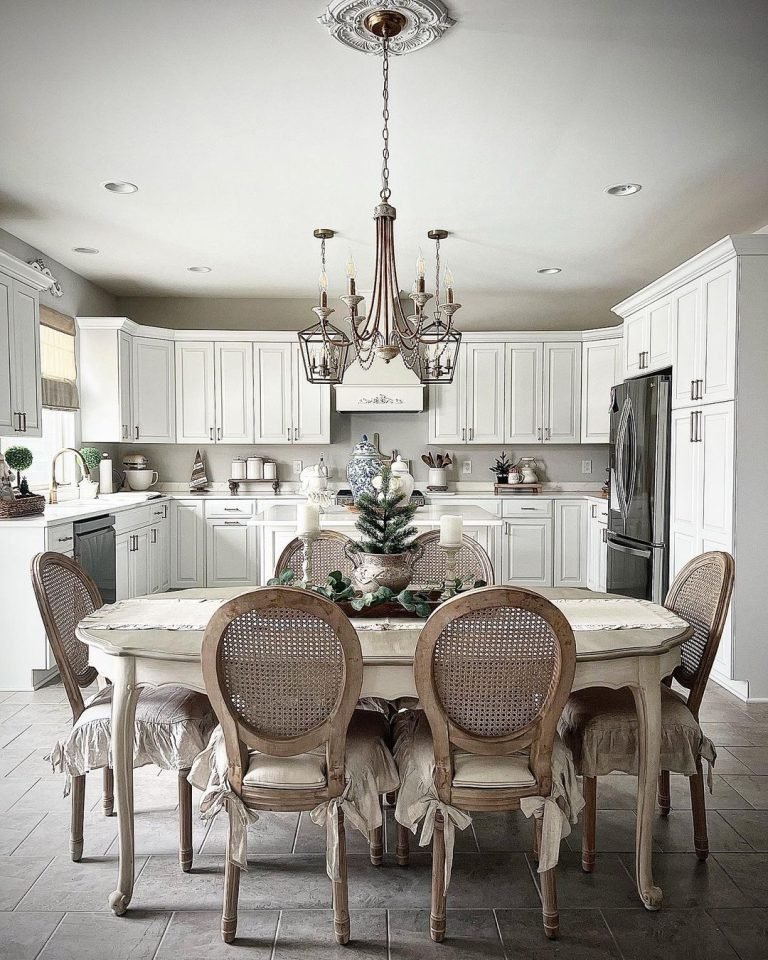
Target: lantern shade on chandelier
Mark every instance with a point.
(428, 347)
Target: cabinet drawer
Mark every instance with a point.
(598, 511)
(134, 518)
(528, 508)
(60, 539)
(229, 509)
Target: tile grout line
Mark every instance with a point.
(165, 931)
(498, 932)
(277, 934)
(296, 833)
(37, 878)
(28, 835)
(615, 942)
(53, 933)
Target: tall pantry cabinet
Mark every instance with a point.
(717, 304)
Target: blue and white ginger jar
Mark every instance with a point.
(366, 463)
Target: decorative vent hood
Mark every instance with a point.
(383, 388)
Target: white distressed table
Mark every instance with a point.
(132, 658)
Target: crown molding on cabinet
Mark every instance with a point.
(738, 245)
(18, 270)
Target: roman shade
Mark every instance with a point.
(58, 364)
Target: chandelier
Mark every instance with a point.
(428, 347)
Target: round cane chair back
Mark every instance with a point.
(328, 554)
(65, 594)
(701, 594)
(471, 561)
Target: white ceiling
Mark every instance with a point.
(245, 126)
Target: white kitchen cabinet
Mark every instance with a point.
(687, 335)
(214, 392)
(154, 395)
(600, 371)
(230, 553)
(448, 407)
(562, 392)
(527, 549)
(288, 409)
(105, 380)
(570, 568)
(8, 422)
(20, 384)
(234, 392)
(635, 341)
(471, 409)
(159, 550)
(649, 338)
(524, 387)
(597, 550)
(187, 549)
(132, 552)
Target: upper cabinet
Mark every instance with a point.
(288, 409)
(543, 384)
(600, 371)
(471, 409)
(214, 392)
(648, 339)
(562, 393)
(20, 385)
(524, 379)
(154, 408)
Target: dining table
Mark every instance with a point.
(156, 640)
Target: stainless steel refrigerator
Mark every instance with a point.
(638, 513)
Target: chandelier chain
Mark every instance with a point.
(385, 193)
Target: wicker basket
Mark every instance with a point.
(22, 507)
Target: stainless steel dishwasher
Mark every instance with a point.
(95, 552)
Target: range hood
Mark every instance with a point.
(383, 388)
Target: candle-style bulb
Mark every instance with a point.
(448, 284)
(322, 281)
(421, 267)
(351, 269)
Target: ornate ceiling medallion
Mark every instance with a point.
(351, 23)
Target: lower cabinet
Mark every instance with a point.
(597, 550)
(570, 568)
(142, 551)
(132, 564)
(527, 552)
(187, 544)
(230, 553)
(159, 553)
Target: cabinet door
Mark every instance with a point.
(715, 433)
(570, 543)
(187, 544)
(8, 422)
(660, 340)
(593, 550)
(195, 394)
(154, 399)
(562, 392)
(234, 392)
(311, 406)
(602, 566)
(155, 561)
(687, 344)
(685, 493)
(448, 407)
(230, 553)
(138, 563)
(123, 545)
(718, 337)
(125, 384)
(272, 392)
(600, 371)
(635, 343)
(528, 552)
(26, 386)
(485, 393)
(524, 378)
(159, 551)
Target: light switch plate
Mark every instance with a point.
(298, 466)
(586, 466)
(466, 466)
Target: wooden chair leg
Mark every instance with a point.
(376, 845)
(108, 792)
(699, 810)
(549, 911)
(588, 824)
(665, 802)
(185, 821)
(77, 816)
(437, 914)
(392, 798)
(403, 849)
(231, 892)
(340, 891)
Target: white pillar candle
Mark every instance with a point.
(451, 530)
(307, 519)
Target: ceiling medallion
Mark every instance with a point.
(353, 23)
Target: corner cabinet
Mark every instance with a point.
(287, 408)
(154, 394)
(20, 384)
(471, 409)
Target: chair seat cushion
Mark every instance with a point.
(305, 771)
(600, 727)
(172, 726)
(473, 770)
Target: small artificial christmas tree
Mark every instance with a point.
(384, 519)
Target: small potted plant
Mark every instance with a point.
(92, 459)
(18, 459)
(383, 558)
(501, 468)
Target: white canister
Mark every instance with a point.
(437, 477)
(105, 474)
(400, 471)
(238, 469)
(270, 470)
(254, 468)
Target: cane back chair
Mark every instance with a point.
(328, 554)
(471, 561)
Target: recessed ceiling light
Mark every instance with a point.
(199, 269)
(624, 189)
(84, 250)
(549, 270)
(120, 186)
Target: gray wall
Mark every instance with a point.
(81, 297)
(407, 433)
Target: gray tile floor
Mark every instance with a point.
(54, 909)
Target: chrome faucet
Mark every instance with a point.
(53, 496)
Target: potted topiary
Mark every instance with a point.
(18, 459)
(384, 557)
(92, 459)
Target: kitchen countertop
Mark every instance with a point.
(70, 510)
(333, 518)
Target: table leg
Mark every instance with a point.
(647, 696)
(123, 715)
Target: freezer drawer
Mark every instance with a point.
(636, 569)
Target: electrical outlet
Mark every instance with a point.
(298, 466)
(586, 466)
(466, 466)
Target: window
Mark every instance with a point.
(60, 429)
